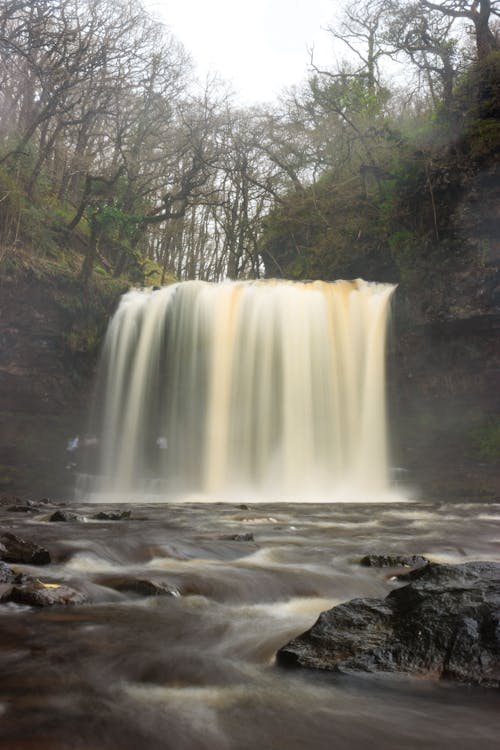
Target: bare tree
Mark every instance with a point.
(479, 12)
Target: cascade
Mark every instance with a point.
(262, 389)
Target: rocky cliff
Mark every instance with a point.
(50, 330)
(445, 358)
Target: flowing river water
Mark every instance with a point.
(195, 670)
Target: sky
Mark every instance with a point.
(259, 47)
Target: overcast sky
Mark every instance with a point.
(260, 46)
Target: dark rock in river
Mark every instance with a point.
(23, 589)
(106, 515)
(17, 550)
(445, 623)
(65, 516)
(7, 579)
(248, 537)
(7, 575)
(393, 561)
(38, 594)
(23, 506)
(140, 586)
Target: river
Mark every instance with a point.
(195, 670)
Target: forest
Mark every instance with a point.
(117, 163)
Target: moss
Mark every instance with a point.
(483, 140)
(486, 439)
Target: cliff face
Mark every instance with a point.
(445, 362)
(49, 334)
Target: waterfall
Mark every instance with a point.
(267, 390)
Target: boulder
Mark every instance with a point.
(16, 550)
(65, 516)
(38, 594)
(445, 622)
(24, 589)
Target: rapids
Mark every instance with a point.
(195, 670)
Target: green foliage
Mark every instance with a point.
(85, 310)
(329, 231)
(477, 96)
(149, 273)
(11, 209)
(483, 139)
(486, 439)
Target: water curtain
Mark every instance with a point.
(272, 390)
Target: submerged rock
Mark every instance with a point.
(393, 561)
(17, 550)
(22, 506)
(248, 537)
(445, 623)
(140, 586)
(118, 515)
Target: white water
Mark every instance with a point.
(246, 389)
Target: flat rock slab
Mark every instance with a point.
(444, 623)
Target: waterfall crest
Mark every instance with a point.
(265, 389)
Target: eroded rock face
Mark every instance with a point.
(445, 623)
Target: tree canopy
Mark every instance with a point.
(111, 148)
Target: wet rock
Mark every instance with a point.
(248, 537)
(10, 500)
(140, 586)
(65, 516)
(22, 506)
(38, 594)
(445, 623)
(105, 515)
(393, 561)
(10, 576)
(17, 550)
(7, 575)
